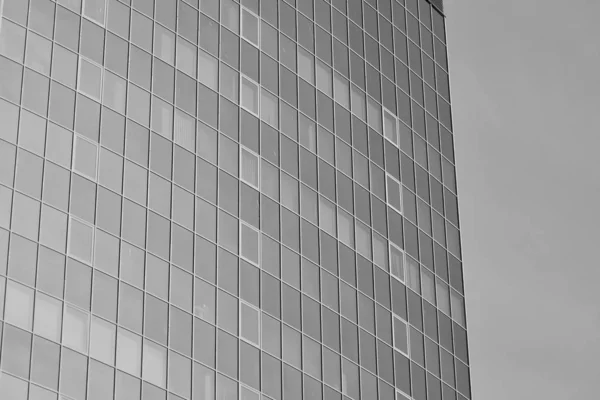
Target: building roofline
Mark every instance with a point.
(438, 5)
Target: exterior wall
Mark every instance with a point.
(228, 201)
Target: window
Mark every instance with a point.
(90, 78)
(428, 285)
(393, 193)
(154, 367)
(76, 329)
(248, 394)
(306, 62)
(389, 126)
(346, 228)
(85, 157)
(358, 103)
(249, 242)
(164, 44)
(308, 133)
(81, 238)
(341, 90)
(413, 277)
(250, 27)
(327, 217)
(400, 335)
(230, 15)
(19, 305)
(324, 82)
(269, 110)
(400, 396)
(396, 262)
(380, 253)
(249, 167)
(115, 92)
(184, 132)
(249, 95)
(443, 301)
(48, 317)
(129, 352)
(458, 307)
(363, 240)
(208, 68)
(374, 114)
(95, 10)
(249, 323)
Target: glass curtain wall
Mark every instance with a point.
(228, 200)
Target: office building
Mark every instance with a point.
(213, 199)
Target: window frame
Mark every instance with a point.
(243, 150)
(76, 139)
(387, 192)
(406, 326)
(258, 325)
(91, 19)
(241, 244)
(257, 95)
(72, 219)
(80, 62)
(258, 24)
(387, 113)
(392, 247)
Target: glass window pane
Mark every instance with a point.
(90, 78)
(269, 110)
(95, 10)
(16, 351)
(85, 157)
(208, 68)
(249, 95)
(249, 167)
(250, 26)
(397, 263)
(12, 40)
(129, 352)
(48, 317)
(155, 364)
(76, 329)
(19, 305)
(81, 239)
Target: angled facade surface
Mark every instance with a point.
(228, 200)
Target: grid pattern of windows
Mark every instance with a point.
(213, 199)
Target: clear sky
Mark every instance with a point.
(525, 83)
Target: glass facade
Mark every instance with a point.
(213, 199)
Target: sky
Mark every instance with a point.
(525, 87)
